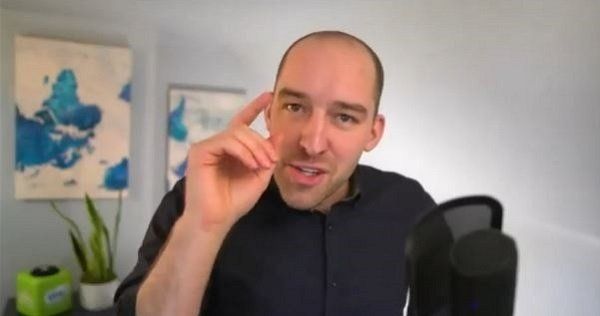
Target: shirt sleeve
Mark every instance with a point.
(169, 210)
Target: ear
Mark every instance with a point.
(376, 132)
(267, 115)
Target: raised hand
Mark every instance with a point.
(228, 172)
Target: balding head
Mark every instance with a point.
(350, 40)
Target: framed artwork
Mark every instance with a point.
(72, 119)
(196, 113)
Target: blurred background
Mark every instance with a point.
(481, 97)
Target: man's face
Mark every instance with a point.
(323, 107)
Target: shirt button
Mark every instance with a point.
(333, 284)
(329, 227)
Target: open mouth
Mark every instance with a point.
(308, 171)
(306, 175)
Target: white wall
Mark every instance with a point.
(496, 97)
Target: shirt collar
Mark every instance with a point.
(354, 186)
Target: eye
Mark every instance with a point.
(345, 118)
(293, 107)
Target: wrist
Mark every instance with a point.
(194, 222)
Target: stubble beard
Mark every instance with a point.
(306, 200)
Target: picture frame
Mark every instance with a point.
(196, 112)
(72, 122)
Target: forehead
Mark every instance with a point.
(329, 69)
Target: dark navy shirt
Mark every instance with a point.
(280, 261)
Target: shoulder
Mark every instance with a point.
(393, 188)
(370, 177)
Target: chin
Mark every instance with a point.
(299, 204)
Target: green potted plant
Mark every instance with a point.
(96, 257)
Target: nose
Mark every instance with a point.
(313, 138)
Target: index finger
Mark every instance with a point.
(251, 111)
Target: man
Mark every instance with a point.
(289, 225)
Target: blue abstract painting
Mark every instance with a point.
(196, 113)
(72, 109)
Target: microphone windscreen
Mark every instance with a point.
(484, 270)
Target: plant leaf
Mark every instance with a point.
(70, 222)
(100, 246)
(92, 273)
(108, 248)
(93, 213)
(116, 228)
(99, 260)
(79, 252)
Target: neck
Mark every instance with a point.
(338, 195)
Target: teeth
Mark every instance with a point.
(308, 171)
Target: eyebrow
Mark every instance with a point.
(287, 92)
(356, 107)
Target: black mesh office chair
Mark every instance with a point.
(428, 247)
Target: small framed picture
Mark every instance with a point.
(196, 113)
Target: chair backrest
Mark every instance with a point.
(428, 249)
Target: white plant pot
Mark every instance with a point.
(97, 296)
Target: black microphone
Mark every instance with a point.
(459, 263)
(483, 277)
